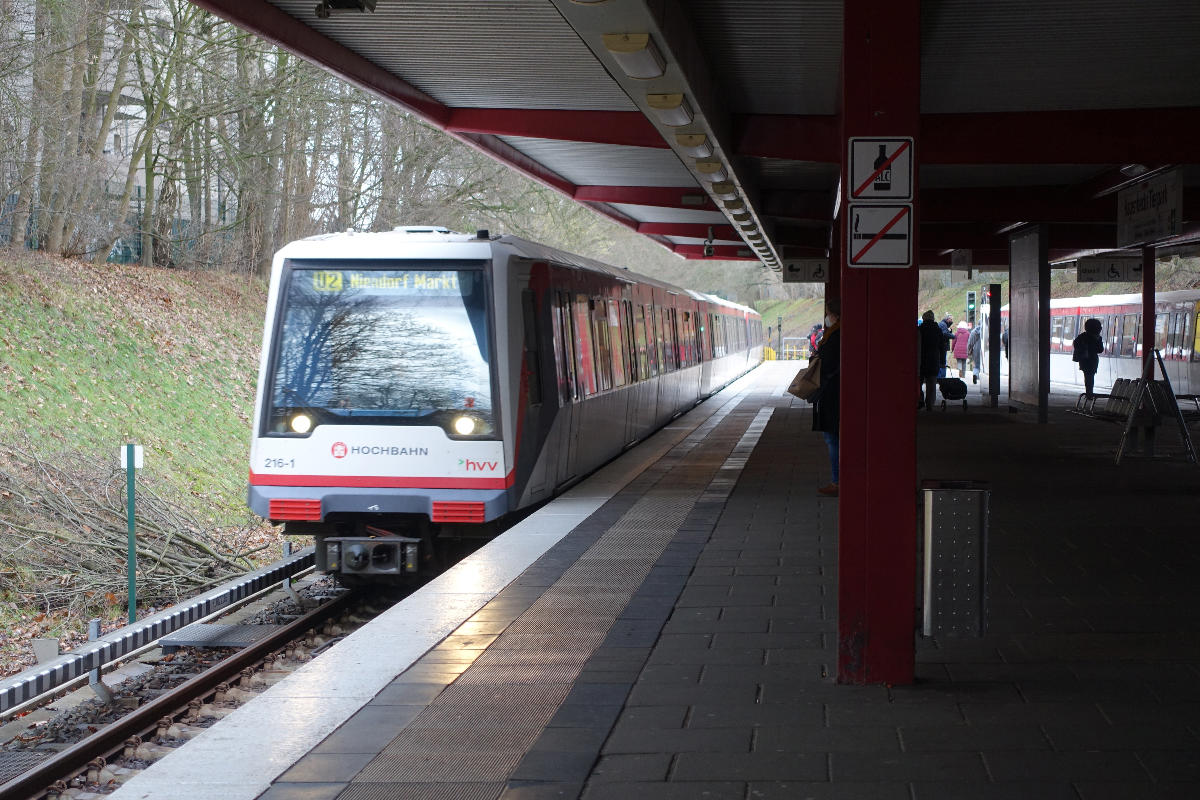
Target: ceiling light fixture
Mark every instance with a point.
(1134, 170)
(736, 204)
(671, 109)
(326, 7)
(636, 54)
(724, 190)
(695, 145)
(711, 169)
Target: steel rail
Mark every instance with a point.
(45, 678)
(111, 738)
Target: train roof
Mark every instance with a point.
(432, 242)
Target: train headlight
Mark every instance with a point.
(464, 426)
(301, 423)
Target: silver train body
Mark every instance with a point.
(420, 385)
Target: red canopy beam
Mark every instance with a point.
(697, 230)
(662, 197)
(629, 128)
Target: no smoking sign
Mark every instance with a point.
(879, 236)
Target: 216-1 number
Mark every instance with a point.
(279, 463)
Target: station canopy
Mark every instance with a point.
(716, 122)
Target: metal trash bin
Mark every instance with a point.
(955, 574)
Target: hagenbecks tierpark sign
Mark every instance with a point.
(1150, 210)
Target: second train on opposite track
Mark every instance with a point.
(420, 385)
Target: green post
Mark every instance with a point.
(132, 558)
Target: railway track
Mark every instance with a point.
(108, 757)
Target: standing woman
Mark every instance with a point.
(826, 410)
(1088, 347)
(933, 357)
(962, 339)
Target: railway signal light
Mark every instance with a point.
(971, 307)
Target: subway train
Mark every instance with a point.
(1174, 335)
(419, 386)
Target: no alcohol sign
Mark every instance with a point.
(881, 169)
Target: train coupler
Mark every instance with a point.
(369, 555)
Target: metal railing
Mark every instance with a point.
(37, 681)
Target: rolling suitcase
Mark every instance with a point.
(952, 389)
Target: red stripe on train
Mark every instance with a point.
(381, 481)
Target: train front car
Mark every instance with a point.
(376, 415)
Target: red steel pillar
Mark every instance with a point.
(877, 508)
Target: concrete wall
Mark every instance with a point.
(1029, 319)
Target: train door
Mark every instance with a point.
(566, 362)
(624, 311)
(545, 467)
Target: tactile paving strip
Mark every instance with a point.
(422, 791)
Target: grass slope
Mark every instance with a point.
(93, 357)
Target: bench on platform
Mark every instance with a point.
(1111, 407)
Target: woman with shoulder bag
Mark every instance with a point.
(827, 405)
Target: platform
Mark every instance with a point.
(667, 630)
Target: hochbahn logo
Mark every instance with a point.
(341, 450)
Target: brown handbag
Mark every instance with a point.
(807, 383)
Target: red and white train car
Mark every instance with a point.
(419, 383)
(1172, 332)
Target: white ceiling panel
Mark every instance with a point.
(587, 164)
(475, 53)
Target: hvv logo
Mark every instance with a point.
(478, 466)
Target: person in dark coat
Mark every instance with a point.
(827, 407)
(1088, 347)
(947, 328)
(931, 344)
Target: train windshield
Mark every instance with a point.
(374, 346)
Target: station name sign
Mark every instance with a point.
(1151, 210)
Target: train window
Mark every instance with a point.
(1160, 331)
(564, 350)
(358, 344)
(1056, 333)
(650, 313)
(584, 357)
(712, 336)
(627, 336)
(1113, 329)
(599, 315)
(639, 335)
(1174, 336)
(1068, 331)
(1130, 334)
(1183, 342)
(666, 340)
(687, 339)
(617, 344)
(533, 350)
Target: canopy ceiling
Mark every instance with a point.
(1032, 111)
